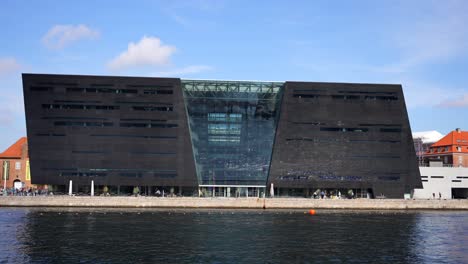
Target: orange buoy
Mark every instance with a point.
(312, 212)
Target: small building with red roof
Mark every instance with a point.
(452, 149)
(15, 166)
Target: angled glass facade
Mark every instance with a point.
(232, 128)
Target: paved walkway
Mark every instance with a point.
(253, 203)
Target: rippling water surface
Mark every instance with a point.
(231, 236)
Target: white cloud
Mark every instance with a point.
(149, 51)
(460, 102)
(60, 36)
(193, 69)
(8, 65)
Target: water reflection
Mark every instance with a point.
(441, 237)
(223, 236)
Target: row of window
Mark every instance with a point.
(109, 124)
(358, 129)
(102, 90)
(225, 117)
(123, 174)
(83, 124)
(132, 136)
(153, 108)
(106, 107)
(344, 129)
(335, 178)
(444, 149)
(339, 140)
(110, 170)
(223, 129)
(136, 153)
(226, 139)
(324, 124)
(346, 92)
(348, 97)
(80, 107)
(148, 125)
(49, 135)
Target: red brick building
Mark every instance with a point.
(15, 165)
(451, 149)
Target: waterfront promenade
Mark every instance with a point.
(233, 203)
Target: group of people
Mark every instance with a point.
(22, 191)
(331, 195)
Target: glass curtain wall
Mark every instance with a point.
(232, 127)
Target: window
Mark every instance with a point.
(80, 107)
(18, 165)
(101, 90)
(220, 129)
(381, 98)
(157, 91)
(41, 88)
(225, 117)
(83, 124)
(223, 140)
(390, 130)
(389, 178)
(344, 129)
(314, 96)
(148, 125)
(153, 108)
(346, 97)
(132, 136)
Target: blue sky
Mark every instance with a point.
(422, 45)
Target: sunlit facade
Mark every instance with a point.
(219, 138)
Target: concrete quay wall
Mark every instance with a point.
(241, 203)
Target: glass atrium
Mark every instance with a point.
(232, 128)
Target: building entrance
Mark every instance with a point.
(231, 191)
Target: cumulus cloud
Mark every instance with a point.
(149, 51)
(192, 69)
(60, 36)
(8, 65)
(460, 102)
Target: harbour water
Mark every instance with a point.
(47, 235)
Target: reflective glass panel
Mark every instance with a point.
(232, 127)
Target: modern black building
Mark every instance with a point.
(222, 138)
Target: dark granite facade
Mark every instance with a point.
(113, 130)
(135, 131)
(338, 135)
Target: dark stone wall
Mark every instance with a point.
(113, 130)
(338, 135)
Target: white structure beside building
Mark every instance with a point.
(423, 140)
(450, 182)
